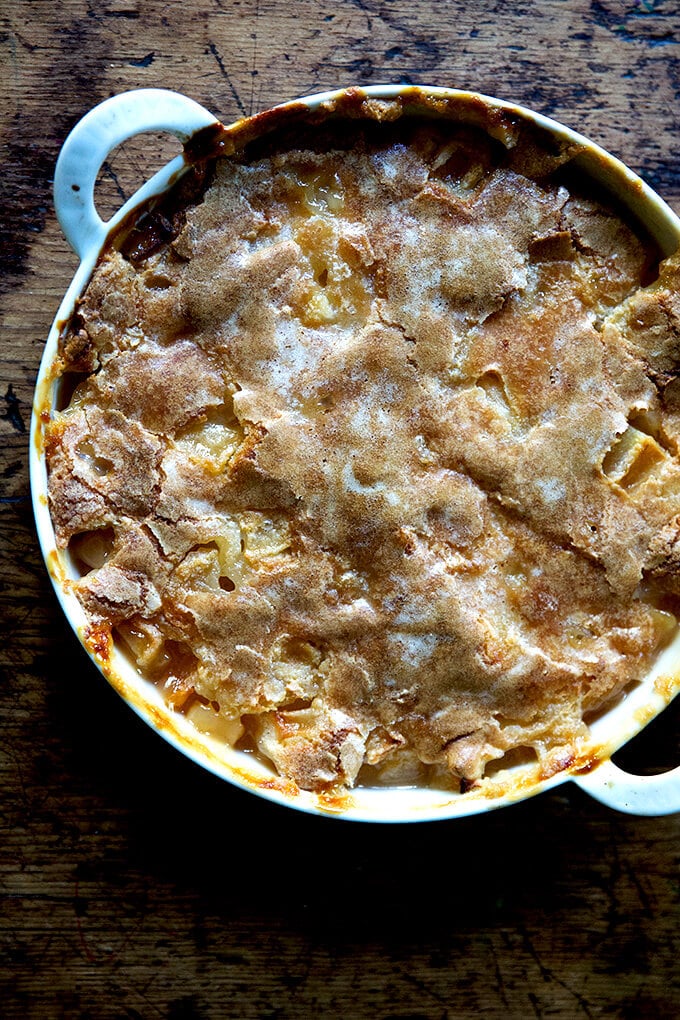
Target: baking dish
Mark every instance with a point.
(152, 110)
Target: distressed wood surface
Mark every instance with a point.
(135, 885)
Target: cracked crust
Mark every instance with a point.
(374, 464)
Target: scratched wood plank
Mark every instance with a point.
(135, 885)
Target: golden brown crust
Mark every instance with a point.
(383, 444)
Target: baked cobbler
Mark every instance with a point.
(368, 448)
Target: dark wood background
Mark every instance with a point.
(132, 883)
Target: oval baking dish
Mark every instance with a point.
(85, 150)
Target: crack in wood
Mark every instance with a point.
(13, 412)
(225, 74)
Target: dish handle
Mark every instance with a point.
(99, 132)
(634, 795)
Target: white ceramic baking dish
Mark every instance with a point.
(83, 153)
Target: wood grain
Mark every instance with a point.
(135, 885)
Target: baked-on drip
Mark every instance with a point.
(373, 460)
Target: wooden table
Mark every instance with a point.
(134, 884)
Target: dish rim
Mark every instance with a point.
(131, 113)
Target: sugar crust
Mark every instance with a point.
(373, 466)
